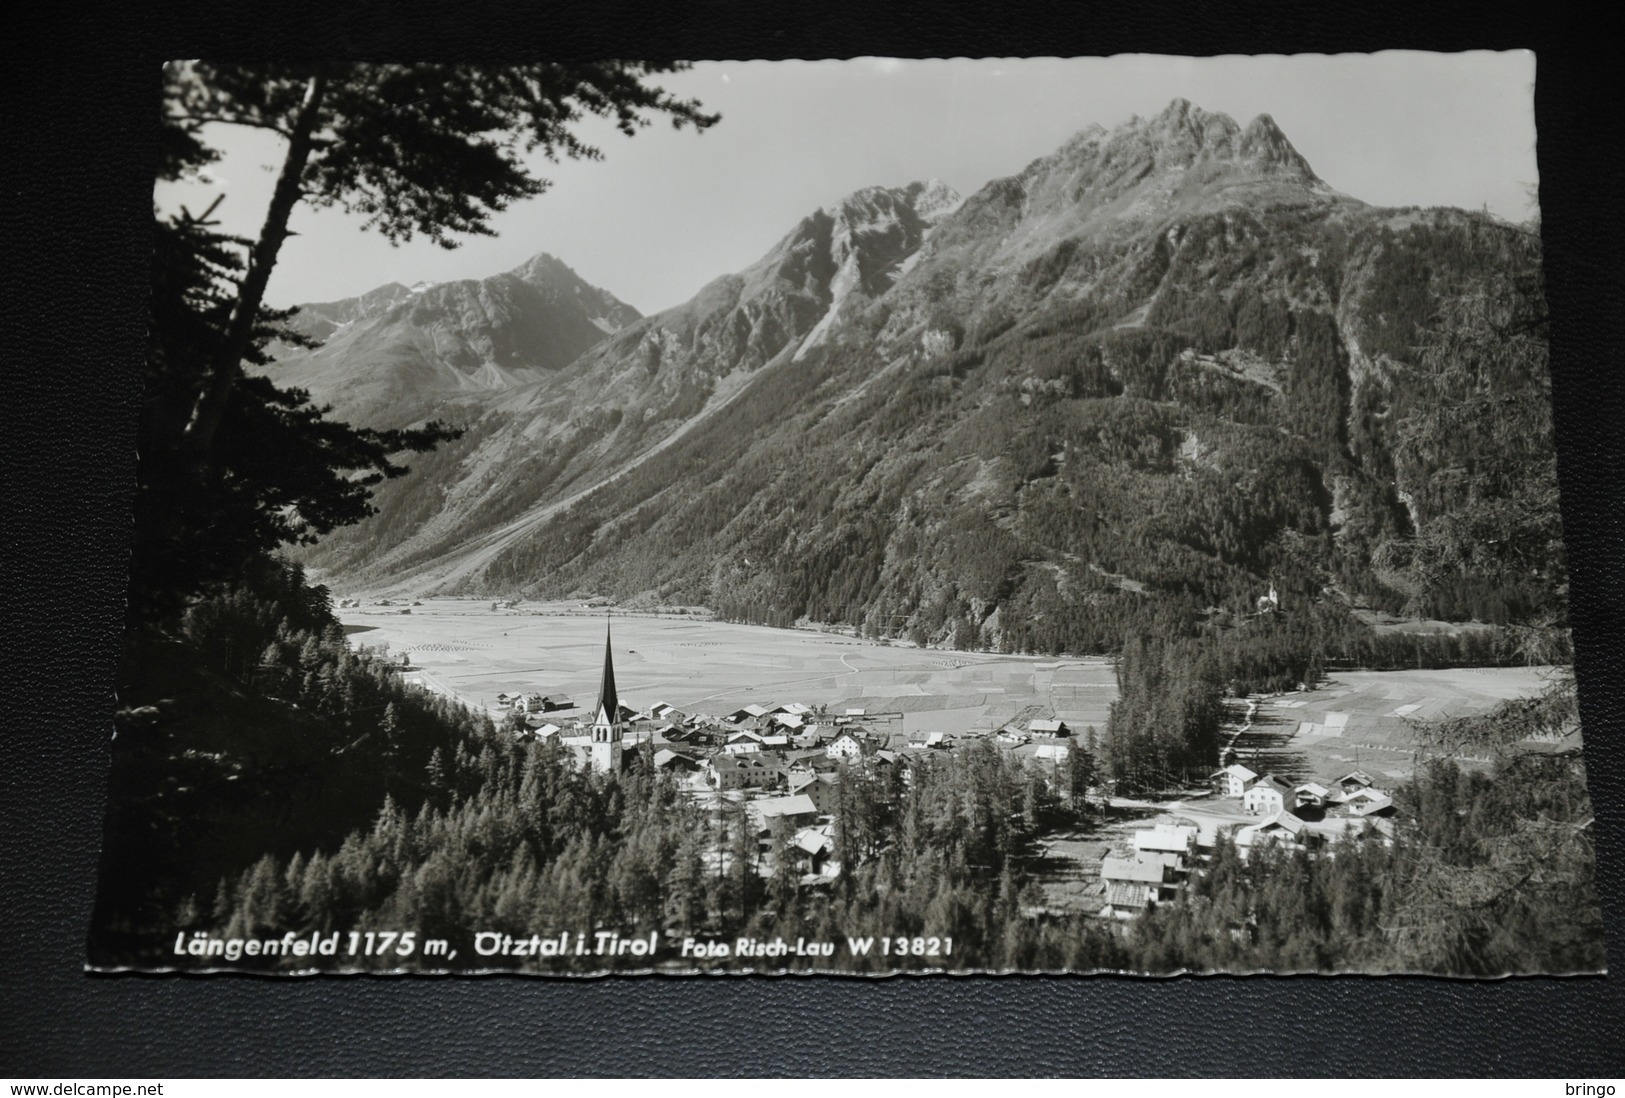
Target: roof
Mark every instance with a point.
(1042, 725)
(1356, 776)
(1313, 787)
(750, 760)
(609, 702)
(1286, 821)
(1376, 805)
(1237, 770)
(811, 840)
(801, 779)
(1119, 894)
(798, 805)
(1172, 839)
(1270, 781)
(1056, 751)
(1132, 869)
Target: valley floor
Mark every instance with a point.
(463, 648)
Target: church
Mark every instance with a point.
(604, 752)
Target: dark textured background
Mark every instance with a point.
(81, 89)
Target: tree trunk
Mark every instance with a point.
(226, 363)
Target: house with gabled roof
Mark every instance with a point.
(1165, 839)
(1233, 781)
(1310, 795)
(819, 787)
(1123, 901)
(1283, 827)
(675, 761)
(798, 811)
(1152, 875)
(811, 848)
(1369, 802)
(1267, 796)
(742, 742)
(852, 743)
(1354, 781)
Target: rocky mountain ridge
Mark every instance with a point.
(1162, 362)
(391, 353)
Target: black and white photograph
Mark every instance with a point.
(1005, 515)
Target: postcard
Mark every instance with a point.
(1091, 515)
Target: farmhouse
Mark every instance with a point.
(1164, 839)
(1042, 727)
(675, 761)
(851, 743)
(1369, 802)
(1268, 796)
(820, 788)
(811, 849)
(1283, 827)
(798, 810)
(1354, 781)
(1123, 901)
(1233, 781)
(741, 743)
(1311, 795)
(1146, 878)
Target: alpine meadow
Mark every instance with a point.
(1149, 561)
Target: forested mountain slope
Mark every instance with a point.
(1155, 371)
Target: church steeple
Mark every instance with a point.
(609, 703)
(605, 756)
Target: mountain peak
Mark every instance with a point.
(927, 202)
(1184, 135)
(933, 199)
(542, 265)
(1263, 142)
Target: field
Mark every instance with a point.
(1365, 719)
(464, 648)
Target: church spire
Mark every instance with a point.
(609, 703)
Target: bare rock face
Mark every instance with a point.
(836, 259)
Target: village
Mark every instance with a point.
(780, 766)
(761, 725)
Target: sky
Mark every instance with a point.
(666, 211)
